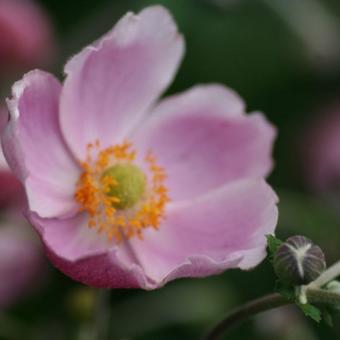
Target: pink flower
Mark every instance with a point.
(25, 34)
(128, 192)
(321, 151)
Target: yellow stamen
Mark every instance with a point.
(117, 195)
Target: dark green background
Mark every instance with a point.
(249, 48)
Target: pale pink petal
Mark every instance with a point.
(200, 237)
(70, 238)
(102, 271)
(35, 149)
(111, 84)
(203, 139)
(87, 256)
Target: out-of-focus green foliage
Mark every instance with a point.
(247, 46)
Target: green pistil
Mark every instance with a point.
(130, 184)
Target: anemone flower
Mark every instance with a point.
(128, 191)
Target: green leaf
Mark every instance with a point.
(311, 311)
(327, 317)
(286, 291)
(273, 243)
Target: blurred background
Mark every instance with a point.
(283, 58)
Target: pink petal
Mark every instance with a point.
(87, 256)
(35, 149)
(111, 84)
(70, 238)
(101, 271)
(224, 229)
(203, 139)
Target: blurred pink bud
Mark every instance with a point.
(21, 263)
(25, 34)
(321, 150)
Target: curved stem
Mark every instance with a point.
(317, 295)
(244, 312)
(271, 301)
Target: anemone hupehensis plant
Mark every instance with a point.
(127, 190)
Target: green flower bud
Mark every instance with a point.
(298, 261)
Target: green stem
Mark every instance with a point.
(103, 315)
(271, 301)
(244, 312)
(317, 295)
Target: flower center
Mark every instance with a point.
(129, 184)
(119, 197)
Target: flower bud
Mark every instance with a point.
(298, 261)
